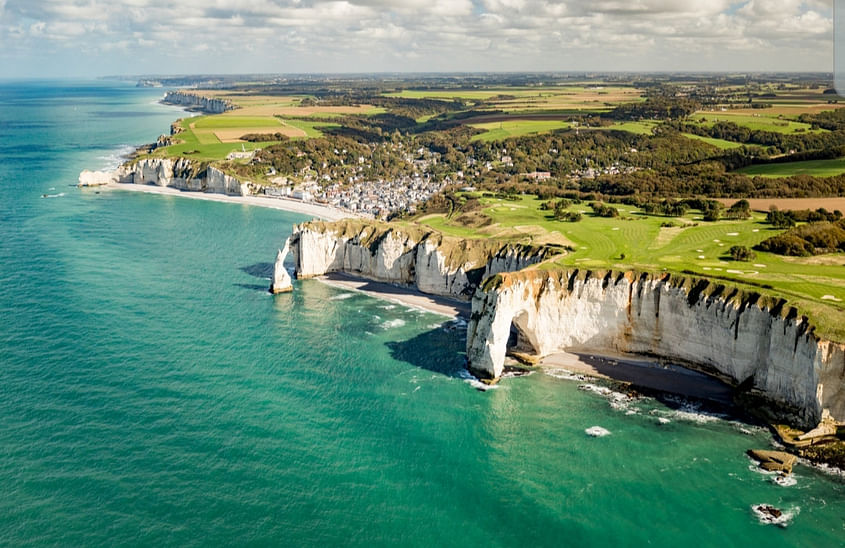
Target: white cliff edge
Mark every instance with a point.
(426, 260)
(96, 178)
(751, 342)
(180, 173)
(281, 279)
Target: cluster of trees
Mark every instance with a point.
(741, 253)
(264, 137)
(710, 178)
(810, 239)
(788, 218)
(602, 210)
(775, 142)
(656, 108)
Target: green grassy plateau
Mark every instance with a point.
(815, 285)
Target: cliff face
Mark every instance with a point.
(431, 262)
(746, 339)
(183, 174)
(194, 101)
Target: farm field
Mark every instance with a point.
(537, 99)
(496, 131)
(816, 285)
(214, 137)
(816, 168)
(640, 128)
(718, 143)
(765, 121)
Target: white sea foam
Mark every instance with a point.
(785, 481)
(390, 324)
(113, 159)
(388, 306)
(782, 521)
(564, 374)
(342, 296)
(663, 420)
(597, 431)
(473, 381)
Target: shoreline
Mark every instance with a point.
(407, 297)
(323, 212)
(641, 372)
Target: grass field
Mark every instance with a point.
(640, 128)
(638, 241)
(816, 168)
(718, 143)
(569, 98)
(765, 121)
(496, 131)
(214, 137)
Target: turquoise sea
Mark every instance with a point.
(153, 393)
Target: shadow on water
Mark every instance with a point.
(259, 270)
(255, 287)
(439, 350)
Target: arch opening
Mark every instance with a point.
(522, 345)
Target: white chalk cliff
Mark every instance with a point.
(421, 258)
(752, 342)
(195, 101)
(183, 174)
(281, 279)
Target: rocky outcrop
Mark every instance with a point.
(409, 255)
(198, 102)
(751, 341)
(773, 461)
(281, 279)
(96, 178)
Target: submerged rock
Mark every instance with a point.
(597, 431)
(281, 279)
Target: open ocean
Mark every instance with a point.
(153, 393)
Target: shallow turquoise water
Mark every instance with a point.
(153, 393)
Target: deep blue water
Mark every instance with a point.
(153, 393)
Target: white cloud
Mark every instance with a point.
(432, 35)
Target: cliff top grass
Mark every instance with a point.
(212, 138)
(687, 246)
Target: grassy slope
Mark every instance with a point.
(497, 131)
(751, 121)
(600, 243)
(719, 143)
(816, 168)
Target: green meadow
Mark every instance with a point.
(634, 240)
(753, 121)
(718, 143)
(815, 168)
(497, 131)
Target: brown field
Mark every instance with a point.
(234, 135)
(788, 111)
(300, 112)
(763, 204)
(590, 98)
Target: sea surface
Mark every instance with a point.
(153, 393)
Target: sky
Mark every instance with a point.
(83, 38)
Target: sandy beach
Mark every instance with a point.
(642, 372)
(326, 213)
(401, 295)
